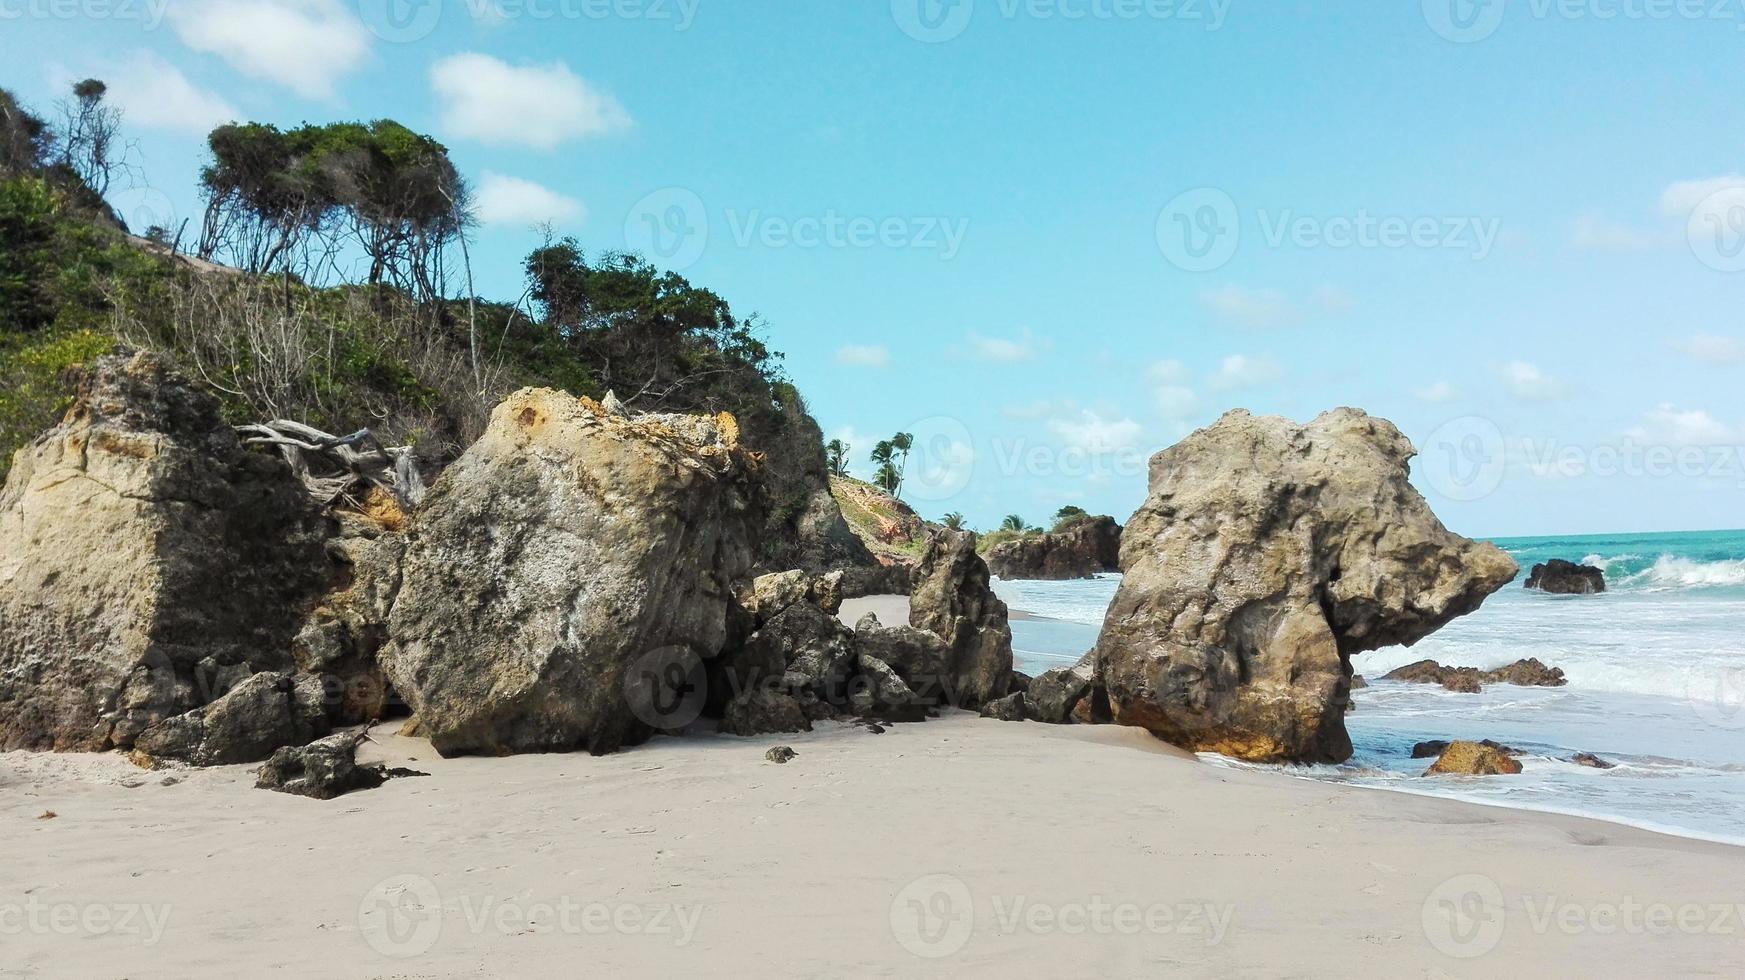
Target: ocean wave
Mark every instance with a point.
(1672, 572)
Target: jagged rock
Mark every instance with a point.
(1020, 682)
(952, 598)
(770, 595)
(1591, 761)
(1471, 680)
(138, 540)
(781, 755)
(919, 657)
(1562, 577)
(1012, 707)
(1473, 759)
(880, 690)
(763, 712)
(321, 770)
(1083, 550)
(1054, 694)
(1267, 554)
(262, 714)
(895, 578)
(341, 639)
(568, 576)
(827, 591)
(1435, 747)
(1358, 683)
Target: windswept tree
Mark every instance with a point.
(1068, 516)
(26, 142)
(836, 455)
(88, 133)
(886, 475)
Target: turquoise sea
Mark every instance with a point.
(1656, 671)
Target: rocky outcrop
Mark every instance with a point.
(1471, 680)
(567, 578)
(1055, 694)
(144, 555)
(801, 525)
(325, 769)
(262, 714)
(1012, 707)
(1473, 759)
(952, 599)
(1435, 747)
(1083, 550)
(1267, 554)
(1561, 577)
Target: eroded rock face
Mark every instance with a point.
(1084, 550)
(952, 598)
(567, 558)
(1561, 577)
(144, 555)
(262, 714)
(1473, 759)
(1265, 556)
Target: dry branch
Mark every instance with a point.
(333, 466)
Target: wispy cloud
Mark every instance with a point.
(303, 45)
(504, 200)
(1526, 382)
(1001, 350)
(1437, 393)
(154, 94)
(541, 106)
(869, 356)
(1713, 349)
(1243, 371)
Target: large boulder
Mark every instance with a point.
(952, 598)
(1082, 550)
(264, 713)
(1474, 759)
(1561, 577)
(1266, 555)
(566, 579)
(144, 553)
(1055, 694)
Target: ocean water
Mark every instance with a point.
(1656, 671)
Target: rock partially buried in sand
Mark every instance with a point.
(143, 552)
(1012, 707)
(567, 561)
(1473, 759)
(1267, 554)
(1561, 577)
(1054, 694)
(324, 769)
(256, 718)
(781, 755)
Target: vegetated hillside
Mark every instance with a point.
(340, 252)
(889, 527)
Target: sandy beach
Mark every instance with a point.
(958, 847)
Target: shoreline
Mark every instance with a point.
(940, 811)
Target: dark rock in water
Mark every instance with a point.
(1471, 680)
(1012, 707)
(1083, 550)
(1055, 694)
(1562, 577)
(262, 714)
(1435, 747)
(1592, 761)
(764, 712)
(144, 551)
(1266, 555)
(952, 598)
(325, 769)
(1358, 683)
(780, 755)
(1474, 759)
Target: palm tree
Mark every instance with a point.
(888, 478)
(1013, 522)
(902, 442)
(953, 520)
(836, 455)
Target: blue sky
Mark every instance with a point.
(1052, 237)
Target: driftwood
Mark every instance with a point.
(334, 466)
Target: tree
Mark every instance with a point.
(25, 140)
(836, 455)
(1068, 516)
(88, 135)
(953, 520)
(1014, 522)
(902, 442)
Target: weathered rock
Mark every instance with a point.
(1012, 707)
(1054, 694)
(919, 657)
(1358, 683)
(953, 599)
(761, 711)
(781, 754)
(1267, 554)
(1562, 577)
(341, 639)
(568, 576)
(1435, 747)
(771, 595)
(1473, 759)
(262, 714)
(1083, 550)
(138, 540)
(892, 578)
(321, 770)
(1591, 761)
(1471, 680)
(881, 691)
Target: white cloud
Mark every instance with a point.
(1093, 433)
(1669, 425)
(870, 356)
(1249, 307)
(1437, 393)
(1683, 198)
(1176, 401)
(534, 105)
(1526, 382)
(1711, 349)
(1003, 351)
(304, 45)
(504, 200)
(1242, 371)
(154, 94)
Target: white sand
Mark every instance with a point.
(714, 862)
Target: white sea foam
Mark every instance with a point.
(1672, 572)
